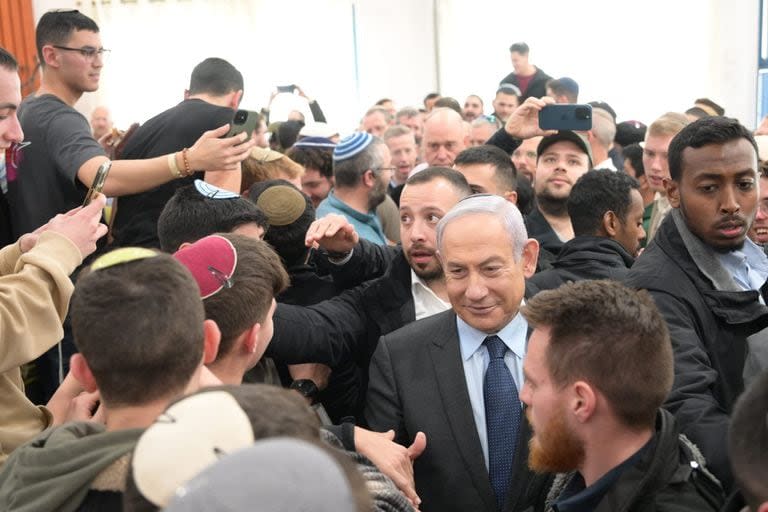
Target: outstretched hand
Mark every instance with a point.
(81, 225)
(392, 459)
(334, 233)
(523, 123)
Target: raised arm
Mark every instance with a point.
(133, 176)
(35, 293)
(329, 332)
(342, 254)
(522, 124)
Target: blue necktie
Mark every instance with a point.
(502, 418)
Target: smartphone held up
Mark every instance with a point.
(243, 121)
(568, 116)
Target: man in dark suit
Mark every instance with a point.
(456, 375)
(345, 329)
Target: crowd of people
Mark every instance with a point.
(447, 310)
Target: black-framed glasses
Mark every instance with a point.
(89, 52)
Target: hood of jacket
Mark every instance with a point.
(54, 471)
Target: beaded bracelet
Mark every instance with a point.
(187, 169)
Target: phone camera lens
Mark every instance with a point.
(583, 113)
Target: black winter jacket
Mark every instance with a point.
(709, 330)
(537, 87)
(584, 257)
(346, 329)
(669, 476)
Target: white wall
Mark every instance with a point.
(652, 58)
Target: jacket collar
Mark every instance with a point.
(603, 249)
(659, 465)
(699, 263)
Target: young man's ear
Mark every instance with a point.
(49, 56)
(251, 341)
(236, 99)
(210, 341)
(82, 373)
(673, 192)
(610, 224)
(583, 401)
(530, 257)
(511, 197)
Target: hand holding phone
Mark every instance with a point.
(570, 116)
(98, 182)
(243, 121)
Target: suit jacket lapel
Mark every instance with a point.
(449, 372)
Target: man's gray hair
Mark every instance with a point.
(487, 204)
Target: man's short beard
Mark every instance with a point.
(555, 206)
(555, 449)
(428, 274)
(376, 197)
(724, 250)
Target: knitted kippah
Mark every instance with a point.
(282, 205)
(509, 89)
(213, 192)
(122, 255)
(352, 145)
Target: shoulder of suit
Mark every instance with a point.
(424, 329)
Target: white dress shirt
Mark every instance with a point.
(425, 301)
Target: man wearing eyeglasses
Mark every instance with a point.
(362, 172)
(53, 173)
(61, 161)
